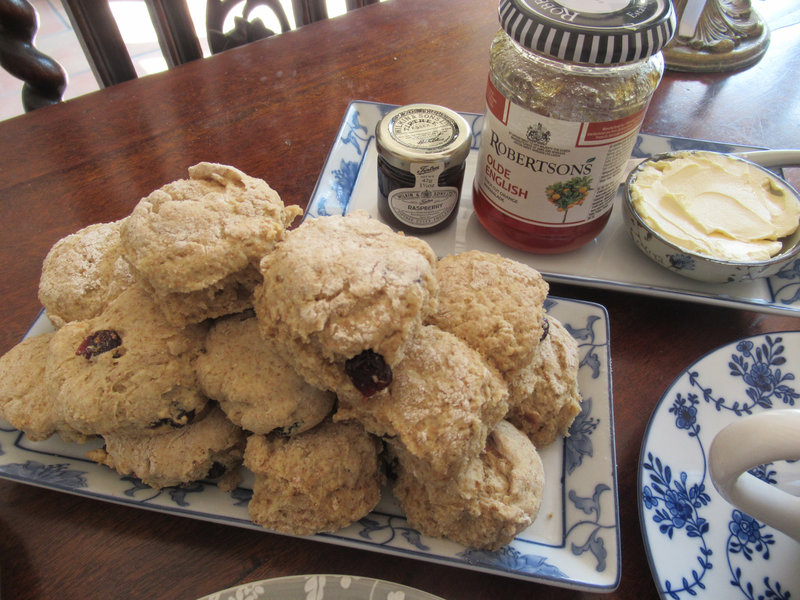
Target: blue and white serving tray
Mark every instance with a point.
(612, 261)
(699, 546)
(574, 543)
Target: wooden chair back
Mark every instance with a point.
(97, 31)
(105, 49)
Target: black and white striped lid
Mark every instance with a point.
(590, 32)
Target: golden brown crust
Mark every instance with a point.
(439, 408)
(191, 240)
(545, 398)
(24, 402)
(317, 481)
(230, 295)
(494, 304)
(491, 500)
(255, 386)
(337, 286)
(210, 446)
(146, 383)
(82, 273)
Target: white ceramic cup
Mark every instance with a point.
(746, 443)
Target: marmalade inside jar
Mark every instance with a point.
(571, 92)
(543, 94)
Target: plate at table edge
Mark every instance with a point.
(348, 182)
(575, 542)
(698, 545)
(327, 587)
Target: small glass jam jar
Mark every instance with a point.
(569, 83)
(422, 149)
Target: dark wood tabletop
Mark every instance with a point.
(273, 109)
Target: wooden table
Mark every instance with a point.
(273, 109)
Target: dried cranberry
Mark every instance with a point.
(182, 419)
(289, 430)
(368, 372)
(216, 471)
(99, 342)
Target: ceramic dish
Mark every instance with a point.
(321, 587)
(695, 265)
(698, 545)
(574, 544)
(349, 181)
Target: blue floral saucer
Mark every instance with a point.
(699, 546)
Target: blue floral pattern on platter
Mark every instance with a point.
(349, 181)
(699, 546)
(577, 545)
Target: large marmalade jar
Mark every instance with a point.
(569, 83)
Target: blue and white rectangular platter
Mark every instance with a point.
(574, 543)
(349, 182)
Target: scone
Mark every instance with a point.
(253, 384)
(211, 447)
(318, 481)
(493, 303)
(126, 370)
(24, 401)
(343, 295)
(196, 243)
(544, 397)
(441, 405)
(494, 498)
(82, 273)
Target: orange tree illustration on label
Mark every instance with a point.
(564, 194)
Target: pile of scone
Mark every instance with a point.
(202, 335)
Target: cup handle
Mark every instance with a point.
(747, 443)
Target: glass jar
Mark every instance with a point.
(566, 96)
(422, 149)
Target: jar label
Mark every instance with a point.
(426, 204)
(550, 172)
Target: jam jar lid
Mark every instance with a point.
(608, 32)
(423, 133)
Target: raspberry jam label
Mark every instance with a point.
(426, 204)
(549, 172)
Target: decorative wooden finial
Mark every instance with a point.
(45, 79)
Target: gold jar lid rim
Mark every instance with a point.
(423, 133)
